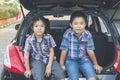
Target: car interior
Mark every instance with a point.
(104, 47)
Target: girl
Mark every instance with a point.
(75, 43)
(40, 45)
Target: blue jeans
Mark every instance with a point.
(73, 66)
(38, 70)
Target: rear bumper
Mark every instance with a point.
(7, 75)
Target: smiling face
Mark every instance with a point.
(38, 28)
(78, 25)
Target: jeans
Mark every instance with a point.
(73, 66)
(38, 70)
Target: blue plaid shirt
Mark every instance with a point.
(75, 46)
(39, 50)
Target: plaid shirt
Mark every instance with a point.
(39, 50)
(75, 46)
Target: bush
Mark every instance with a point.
(8, 11)
(7, 14)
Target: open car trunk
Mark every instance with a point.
(103, 40)
(104, 45)
(86, 4)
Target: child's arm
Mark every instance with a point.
(92, 56)
(94, 60)
(90, 48)
(27, 65)
(51, 57)
(49, 65)
(62, 59)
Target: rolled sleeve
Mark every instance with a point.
(90, 43)
(27, 47)
(64, 43)
(51, 42)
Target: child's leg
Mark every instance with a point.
(37, 68)
(72, 69)
(57, 71)
(88, 70)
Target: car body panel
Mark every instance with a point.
(16, 59)
(117, 63)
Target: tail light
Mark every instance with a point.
(13, 59)
(117, 63)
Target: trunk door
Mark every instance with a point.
(68, 4)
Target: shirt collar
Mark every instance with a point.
(82, 36)
(34, 39)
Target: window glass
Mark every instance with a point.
(89, 21)
(117, 24)
(103, 26)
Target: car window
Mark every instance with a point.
(59, 17)
(117, 24)
(95, 25)
(89, 21)
(104, 27)
(102, 24)
(92, 27)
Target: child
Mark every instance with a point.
(40, 45)
(75, 43)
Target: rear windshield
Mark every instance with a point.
(117, 24)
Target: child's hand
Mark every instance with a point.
(48, 71)
(27, 73)
(98, 68)
(63, 67)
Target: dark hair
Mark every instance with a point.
(44, 20)
(78, 14)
